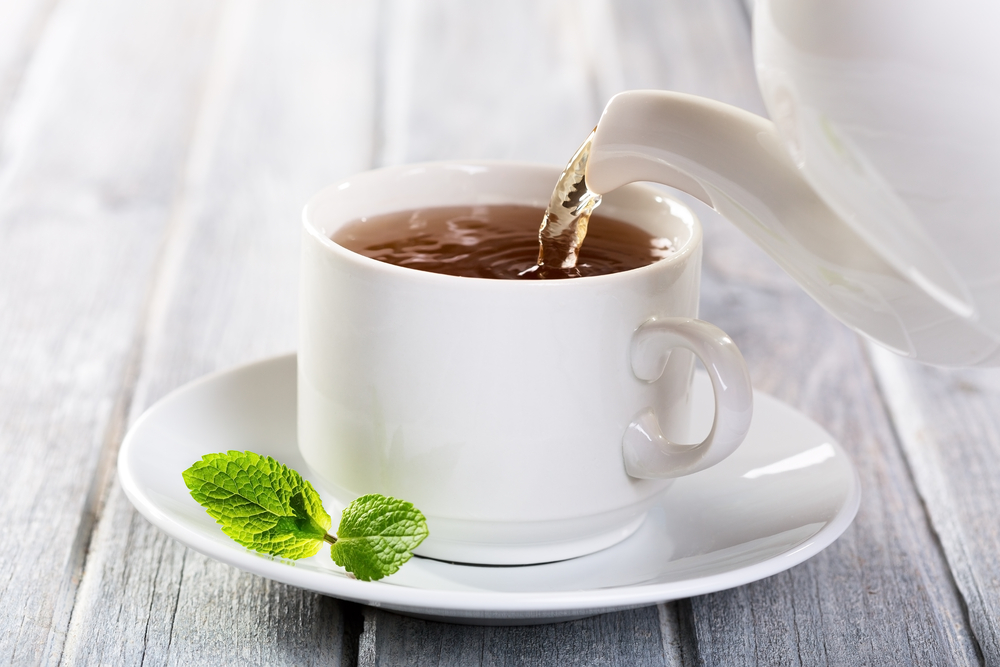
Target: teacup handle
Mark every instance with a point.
(648, 454)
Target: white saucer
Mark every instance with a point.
(787, 493)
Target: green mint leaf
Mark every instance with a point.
(377, 535)
(260, 503)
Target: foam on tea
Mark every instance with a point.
(493, 242)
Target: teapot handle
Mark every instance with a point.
(736, 162)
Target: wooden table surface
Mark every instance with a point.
(154, 157)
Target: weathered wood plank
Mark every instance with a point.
(88, 165)
(22, 24)
(290, 110)
(701, 48)
(485, 80)
(949, 424)
(628, 638)
(882, 594)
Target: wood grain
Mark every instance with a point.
(84, 199)
(22, 25)
(485, 80)
(701, 48)
(290, 110)
(628, 638)
(949, 424)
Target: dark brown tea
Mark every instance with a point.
(494, 242)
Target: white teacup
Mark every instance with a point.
(522, 417)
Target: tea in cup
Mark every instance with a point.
(530, 420)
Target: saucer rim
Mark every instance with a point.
(472, 604)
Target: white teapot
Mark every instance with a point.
(876, 186)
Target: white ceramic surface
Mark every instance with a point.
(875, 187)
(787, 493)
(890, 110)
(523, 417)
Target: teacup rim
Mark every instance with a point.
(682, 255)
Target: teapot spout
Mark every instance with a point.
(736, 163)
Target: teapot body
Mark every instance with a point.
(891, 110)
(876, 183)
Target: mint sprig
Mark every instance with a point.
(376, 535)
(269, 508)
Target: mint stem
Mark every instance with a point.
(330, 538)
